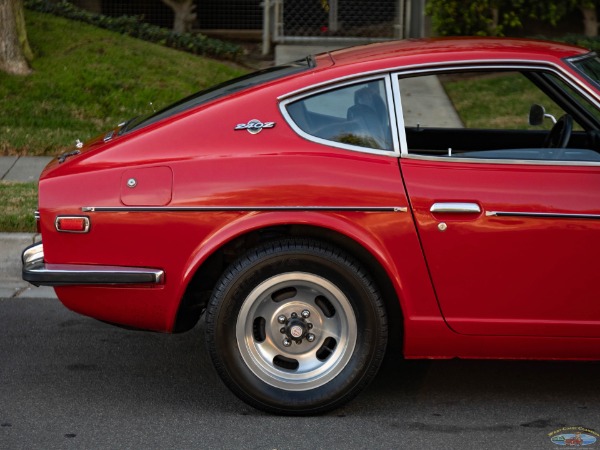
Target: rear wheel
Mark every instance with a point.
(296, 327)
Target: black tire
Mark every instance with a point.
(294, 278)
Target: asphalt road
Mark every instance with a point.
(67, 381)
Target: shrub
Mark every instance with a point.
(133, 26)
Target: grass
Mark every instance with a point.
(18, 201)
(500, 101)
(85, 81)
(88, 80)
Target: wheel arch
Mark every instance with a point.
(216, 252)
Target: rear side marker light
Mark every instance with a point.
(72, 224)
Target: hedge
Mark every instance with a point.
(197, 44)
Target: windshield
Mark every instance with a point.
(220, 90)
(589, 66)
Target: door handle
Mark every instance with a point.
(455, 208)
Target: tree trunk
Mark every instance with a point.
(12, 59)
(22, 30)
(184, 14)
(590, 20)
(94, 6)
(493, 25)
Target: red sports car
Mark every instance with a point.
(445, 192)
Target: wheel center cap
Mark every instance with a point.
(296, 331)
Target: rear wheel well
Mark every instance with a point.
(199, 290)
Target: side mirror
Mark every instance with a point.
(536, 115)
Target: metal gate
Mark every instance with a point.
(336, 21)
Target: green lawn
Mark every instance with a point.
(495, 101)
(18, 201)
(86, 80)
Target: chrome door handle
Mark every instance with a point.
(455, 208)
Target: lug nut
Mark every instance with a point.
(287, 342)
(281, 319)
(310, 337)
(306, 313)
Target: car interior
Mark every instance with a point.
(573, 136)
(357, 115)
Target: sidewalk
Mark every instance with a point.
(21, 169)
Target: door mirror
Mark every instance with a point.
(536, 115)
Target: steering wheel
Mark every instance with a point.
(559, 135)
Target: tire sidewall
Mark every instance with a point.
(263, 264)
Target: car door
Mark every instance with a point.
(512, 239)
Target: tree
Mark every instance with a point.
(184, 14)
(492, 17)
(14, 46)
(590, 19)
(473, 18)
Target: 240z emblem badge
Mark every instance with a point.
(254, 126)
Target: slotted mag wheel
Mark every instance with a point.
(296, 331)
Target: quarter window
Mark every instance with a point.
(355, 115)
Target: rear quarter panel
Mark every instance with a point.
(213, 165)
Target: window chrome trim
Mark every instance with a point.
(534, 162)
(244, 208)
(574, 59)
(540, 215)
(394, 152)
(436, 69)
(572, 62)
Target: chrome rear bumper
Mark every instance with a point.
(39, 273)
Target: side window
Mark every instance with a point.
(486, 114)
(355, 115)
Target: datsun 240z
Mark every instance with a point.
(316, 210)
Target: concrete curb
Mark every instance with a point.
(11, 283)
(19, 169)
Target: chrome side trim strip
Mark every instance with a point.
(38, 273)
(243, 208)
(455, 208)
(542, 215)
(532, 162)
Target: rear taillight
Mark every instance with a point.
(72, 224)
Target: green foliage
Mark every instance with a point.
(551, 11)
(87, 81)
(17, 203)
(459, 17)
(133, 26)
(493, 17)
(591, 43)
